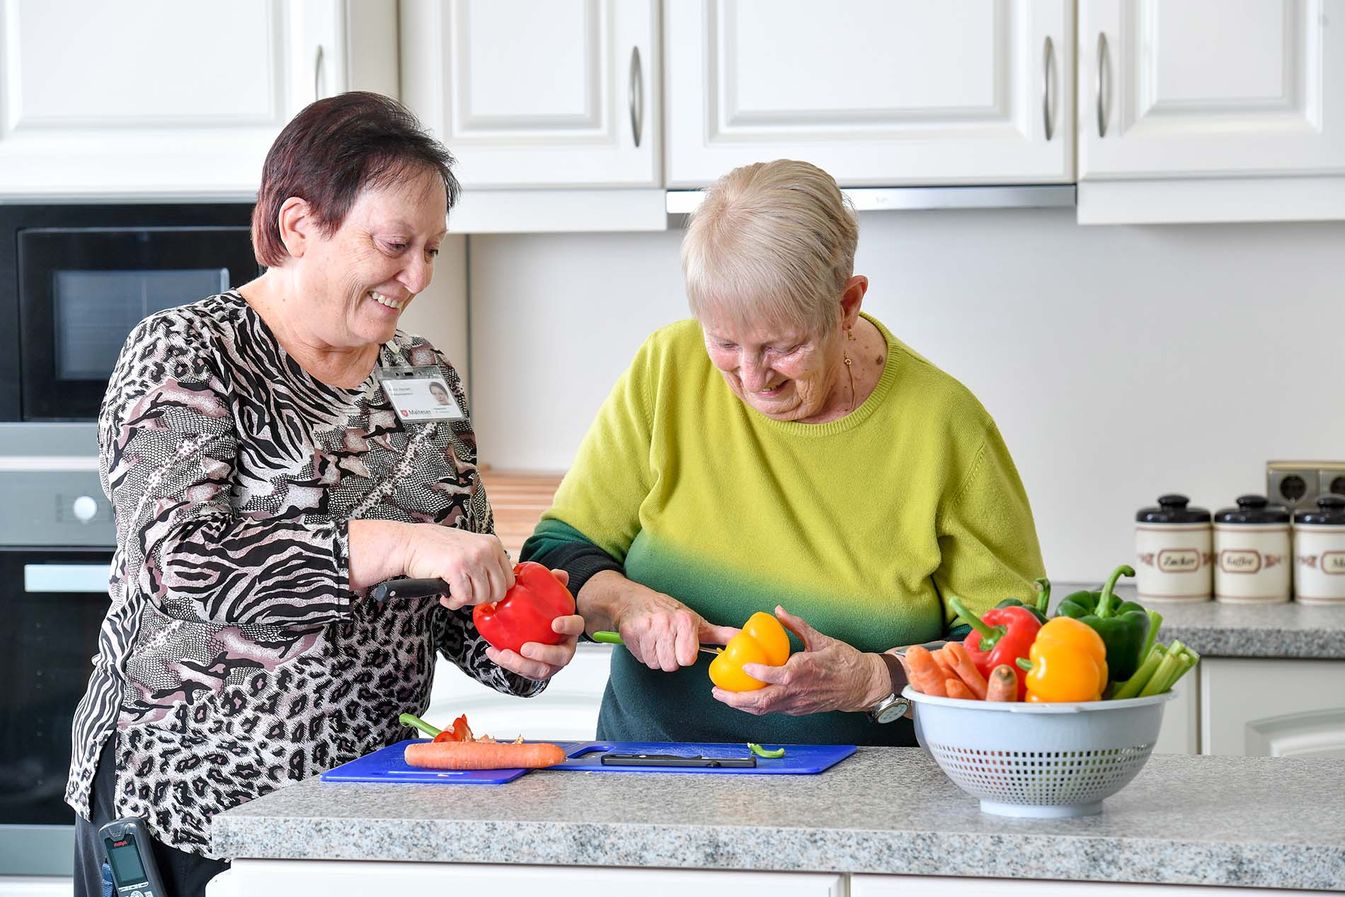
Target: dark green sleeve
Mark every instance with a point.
(562, 547)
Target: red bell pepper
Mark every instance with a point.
(1001, 636)
(526, 611)
(459, 731)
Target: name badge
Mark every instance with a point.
(419, 393)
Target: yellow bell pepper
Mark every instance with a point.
(762, 640)
(1067, 662)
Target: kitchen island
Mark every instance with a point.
(886, 821)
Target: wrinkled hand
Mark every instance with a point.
(663, 633)
(827, 674)
(475, 565)
(538, 661)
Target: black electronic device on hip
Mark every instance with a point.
(130, 856)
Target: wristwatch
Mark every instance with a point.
(894, 706)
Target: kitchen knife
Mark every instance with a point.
(402, 587)
(613, 638)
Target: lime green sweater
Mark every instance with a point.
(860, 525)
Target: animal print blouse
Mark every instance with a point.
(234, 656)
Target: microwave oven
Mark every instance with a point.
(75, 279)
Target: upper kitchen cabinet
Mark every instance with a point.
(534, 97)
(1211, 110)
(875, 92)
(164, 98)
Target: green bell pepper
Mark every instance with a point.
(1039, 605)
(1124, 627)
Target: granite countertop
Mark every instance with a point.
(1216, 629)
(1231, 821)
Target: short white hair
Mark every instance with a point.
(773, 240)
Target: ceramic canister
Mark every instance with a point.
(1319, 552)
(1251, 552)
(1173, 556)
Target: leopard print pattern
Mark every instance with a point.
(234, 657)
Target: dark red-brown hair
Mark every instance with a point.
(334, 149)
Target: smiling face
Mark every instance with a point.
(781, 370)
(356, 282)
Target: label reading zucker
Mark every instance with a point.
(1333, 562)
(1179, 560)
(1243, 560)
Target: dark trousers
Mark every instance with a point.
(184, 874)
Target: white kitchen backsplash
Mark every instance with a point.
(1119, 362)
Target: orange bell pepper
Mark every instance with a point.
(1067, 662)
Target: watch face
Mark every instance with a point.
(892, 712)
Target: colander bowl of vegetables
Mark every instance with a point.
(1046, 717)
(1035, 759)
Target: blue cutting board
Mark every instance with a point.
(799, 759)
(388, 766)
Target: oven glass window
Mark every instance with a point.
(96, 309)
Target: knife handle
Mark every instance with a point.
(407, 588)
(607, 637)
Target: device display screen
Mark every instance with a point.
(124, 858)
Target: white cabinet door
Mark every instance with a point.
(537, 93)
(333, 878)
(1211, 87)
(1181, 720)
(1272, 708)
(566, 711)
(1213, 103)
(877, 93)
(159, 97)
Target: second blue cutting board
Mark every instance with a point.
(798, 759)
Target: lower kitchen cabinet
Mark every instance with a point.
(1272, 708)
(566, 711)
(334, 878)
(1181, 720)
(931, 886)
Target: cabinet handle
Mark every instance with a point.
(1103, 84)
(636, 95)
(317, 73)
(1048, 87)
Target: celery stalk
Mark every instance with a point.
(1132, 686)
(1171, 663)
(1155, 621)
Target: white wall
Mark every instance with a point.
(1120, 363)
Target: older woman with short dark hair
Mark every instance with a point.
(264, 475)
(782, 452)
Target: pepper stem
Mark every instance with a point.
(1104, 602)
(409, 719)
(1043, 594)
(987, 631)
(1024, 664)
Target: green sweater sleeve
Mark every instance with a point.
(987, 537)
(597, 505)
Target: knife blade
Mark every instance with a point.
(612, 638)
(402, 587)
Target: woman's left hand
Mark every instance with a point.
(538, 661)
(827, 674)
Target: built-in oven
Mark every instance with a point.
(56, 543)
(74, 280)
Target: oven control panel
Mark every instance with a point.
(55, 508)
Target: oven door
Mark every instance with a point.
(82, 290)
(53, 602)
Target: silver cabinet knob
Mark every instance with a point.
(84, 508)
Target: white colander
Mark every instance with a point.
(1038, 760)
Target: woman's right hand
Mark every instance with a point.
(661, 632)
(475, 565)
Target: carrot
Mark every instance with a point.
(945, 671)
(483, 755)
(957, 657)
(1003, 684)
(956, 688)
(923, 671)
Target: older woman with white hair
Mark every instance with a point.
(784, 451)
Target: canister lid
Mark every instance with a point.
(1330, 511)
(1253, 509)
(1173, 509)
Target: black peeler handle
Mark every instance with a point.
(407, 588)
